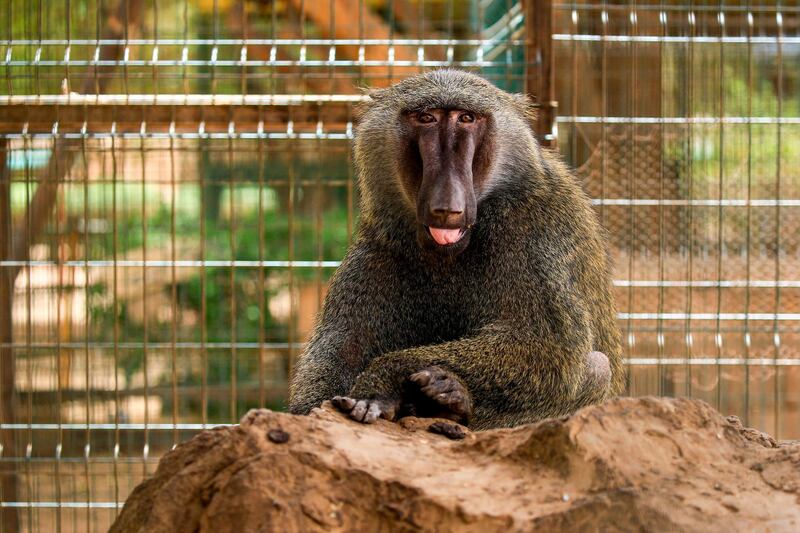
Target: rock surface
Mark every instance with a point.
(629, 464)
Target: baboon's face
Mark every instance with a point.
(446, 167)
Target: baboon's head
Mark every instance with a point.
(436, 145)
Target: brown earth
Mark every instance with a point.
(631, 464)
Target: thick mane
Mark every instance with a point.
(447, 89)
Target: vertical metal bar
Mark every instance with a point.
(720, 194)
(479, 29)
(40, 37)
(232, 278)
(56, 171)
(749, 213)
(261, 271)
(243, 51)
(421, 29)
(390, 58)
(115, 296)
(202, 148)
(775, 325)
(145, 317)
(86, 283)
(215, 16)
(318, 207)
(126, 36)
(661, 229)
(94, 82)
(361, 53)
(603, 111)
(272, 33)
(155, 55)
(303, 50)
(173, 286)
(539, 66)
(508, 54)
(9, 83)
(632, 188)
(290, 232)
(690, 208)
(185, 52)
(573, 141)
(332, 46)
(66, 88)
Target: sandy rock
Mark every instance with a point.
(630, 464)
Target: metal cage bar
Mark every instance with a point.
(176, 189)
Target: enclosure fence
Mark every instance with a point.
(176, 190)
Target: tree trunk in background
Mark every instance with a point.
(539, 67)
(9, 517)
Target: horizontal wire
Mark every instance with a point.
(572, 6)
(219, 345)
(259, 42)
(260, 63)
(585, 37)
(740, 283)
(184, 263)
(347, 135)
(709, 316)
(157, 345)
(713, 361)
(82, 459)
(181, 99)
(592, 119)
(699, 203)
(63, 505)
(132, 263)
(121, 426)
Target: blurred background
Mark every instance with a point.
(176, 190)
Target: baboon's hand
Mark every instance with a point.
(445, 389)
(367, 411)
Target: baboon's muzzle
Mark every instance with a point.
(446, 205)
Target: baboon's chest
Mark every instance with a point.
(448, 307)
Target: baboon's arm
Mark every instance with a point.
(356, 324)
(504, 368)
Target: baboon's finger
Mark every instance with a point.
(456, 401)
(421, 378)
(344, 403)
(438, 387)
(359, 411)
(373, 413)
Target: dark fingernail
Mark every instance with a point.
(278, 436)
(451, 431)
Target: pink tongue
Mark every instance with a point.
(445, 236)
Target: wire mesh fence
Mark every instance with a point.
(176, 190)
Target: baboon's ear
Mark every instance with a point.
(525, 105)
(377, 94)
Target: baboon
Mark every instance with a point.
(477, 287)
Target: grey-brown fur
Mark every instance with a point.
(513, 316)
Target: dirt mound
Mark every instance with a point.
(630, 464)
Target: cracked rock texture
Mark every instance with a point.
(650, 464)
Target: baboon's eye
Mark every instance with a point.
(426, 118)
(466, 117)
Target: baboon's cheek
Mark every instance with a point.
(410, 174)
